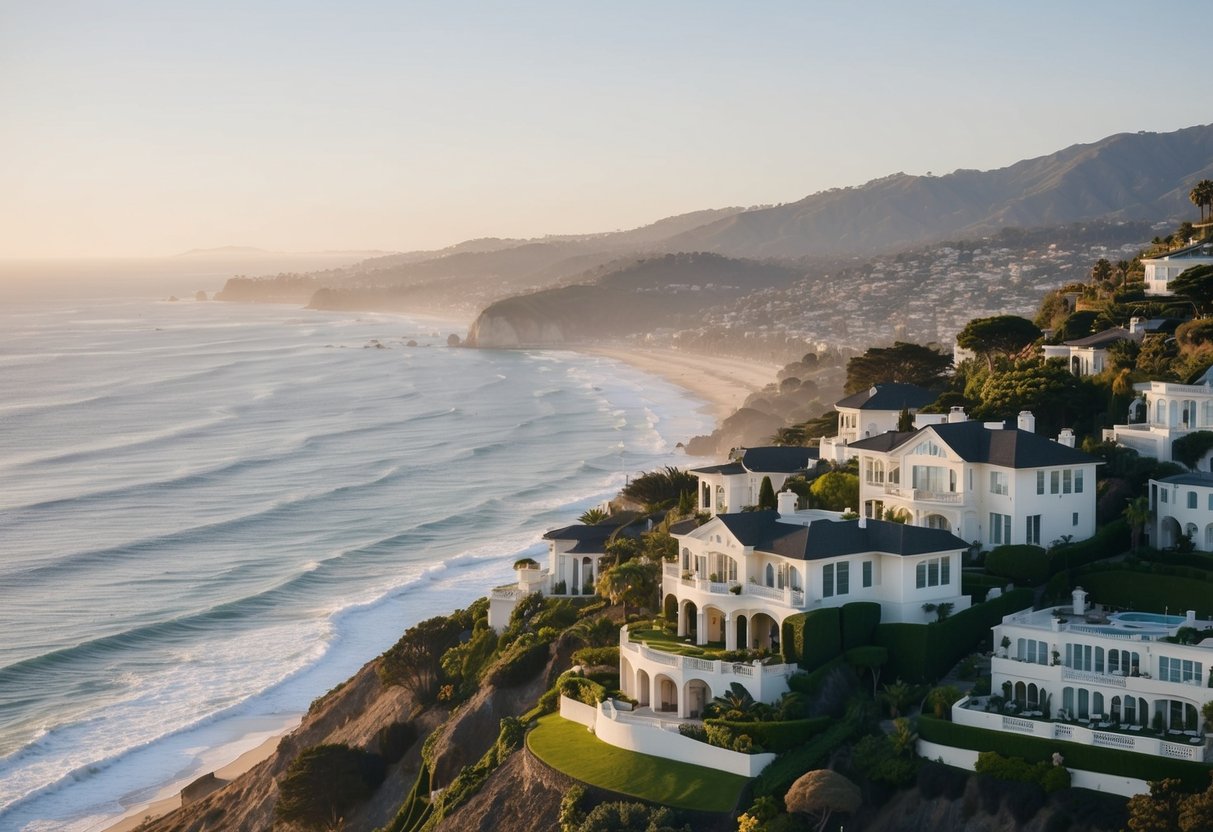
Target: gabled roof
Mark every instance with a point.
(684, 526)
(1194, 478)
(834, 538)
(973, 442)
(889, 396)
(1102, 339)
(778, 459)
(723, 468)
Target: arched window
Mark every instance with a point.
(770, 575)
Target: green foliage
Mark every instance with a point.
(1056, 396)
(592, 516)
(835, 491)
(776, 778)
(634, 583)
(1150, 587)
(1109, 540)
(809, 683)
(1190, 448)
(810, 639)
(629, 817)
(777, 736)
(1025, 565)
(660, 488)
(591, 656)
(858, 623)
(520, 662)
(942, 699)
(1196, 285)
(415, 661)
(1075, 755)
(902, 362)
(394, 740)
(1000, 335)
(921, 652)
(324, 781)
(464, 664)
(875, 759)
(581, 689)
(766, 494)
(470, 778)
(868, 659)
(571, 814)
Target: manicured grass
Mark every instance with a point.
(568, 747)
(661, 640)
(1143, 591)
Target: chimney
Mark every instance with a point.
(1137, 327)
(1026, 421)
(785, 502)
(863, 521)
(1080, 601)
(1066, 437)
(957, 414)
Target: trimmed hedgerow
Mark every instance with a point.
(778, 777)
(812, 638)
(771, 736)
(810, 683)
(925, 652)
(1021, 563)
(859, 620)
(1193, 776)
(1109, 540)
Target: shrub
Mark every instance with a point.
(693, 731)
(519, 663)
(593, 656)
(772, 736)
(858, 623)
(324, 781)
(812, 638)
(393, 740)
(581, 689)
(1109, 540)
(1023, 564)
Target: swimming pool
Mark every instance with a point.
(1150, 617)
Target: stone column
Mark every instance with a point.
(730, 632)
(701, 632)
(682, 619)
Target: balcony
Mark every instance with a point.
(921, 495)
(677, 581)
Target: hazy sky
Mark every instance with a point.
(155, 126)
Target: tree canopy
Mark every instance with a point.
(821, 793)
(415, 661)
(633, 583)
(660, 488)
(1003, 335)
(836, 490)
(324, 781)
(903, 362)
(1196, 285)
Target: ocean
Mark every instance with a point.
(211, 514)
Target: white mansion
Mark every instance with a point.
(1080, 674)
(988, 483)
(1182, 505)
(1161, 270)
(1166, 412)
(872, 412)
(734, 485)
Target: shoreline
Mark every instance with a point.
(722, 382)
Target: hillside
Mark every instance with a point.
(1128, 176)
(636, 297)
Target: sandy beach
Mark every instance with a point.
(723, 382)
(162, 806)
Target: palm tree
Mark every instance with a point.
(1202, 196)
(1137, 513)
(592, 516)
(736, 703)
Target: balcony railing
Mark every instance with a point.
(1093, 678)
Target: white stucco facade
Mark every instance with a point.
(1165, 412)
(1182, 505)
(1160, 271)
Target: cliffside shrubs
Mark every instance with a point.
(324, 781)
(415, 661)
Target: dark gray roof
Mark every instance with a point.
(1201, 249)
(1194, 478)
(834, 538)
(778, 459)
(723, 468)
(883, 442)
(589, 539)
(1102, 339)
(889, 396)
(973, 442)
(684, 526)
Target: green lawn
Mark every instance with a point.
(568, 747)
(661, 640)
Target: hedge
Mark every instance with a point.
(810, 683)
(778, 777)
(859, 620)
(1141, 590)
(1023, 564)
(1110, 540)
(979, 584)
(810, 639)
(774, 736)
(1193, 776)
(925, 652)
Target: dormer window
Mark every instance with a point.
(929, 448)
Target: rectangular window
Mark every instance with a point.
(1040, 482)
(920, 575)
(1179, 670)
(1054, 482)
(945, 571)
(1162, 495)
(1074, 519)
(1000, 529)
(933, 572)
(1067, 481)
(1033, 530)
(998, 482)
(1191, 499)
(867, 573)
(1077, 480)
(827, 581)
(843, 575)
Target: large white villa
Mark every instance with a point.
(1182, 505)
(1080, 674)
(734, 485)
(1161, 270)
(872, 412)
(989, 483)
(1166, 412)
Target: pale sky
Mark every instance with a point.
(149, 127)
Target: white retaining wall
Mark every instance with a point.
(654, 737)
(1096, 782)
